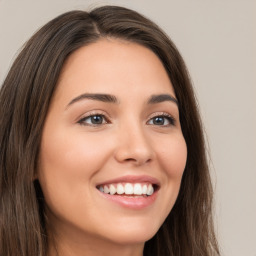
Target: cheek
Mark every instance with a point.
(72, 154)
(173, 154)
(67, 167)
(69, 163)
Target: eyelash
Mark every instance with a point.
(171, 120)
(82, 121)
(166, 116)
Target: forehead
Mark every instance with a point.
(113, 66)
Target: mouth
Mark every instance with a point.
(142, 189)
(130, 191)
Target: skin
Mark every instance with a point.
(76, 155)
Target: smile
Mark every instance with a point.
(134, 192)
(130, 189)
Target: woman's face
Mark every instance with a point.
(112, 153)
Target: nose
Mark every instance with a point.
(134, 146)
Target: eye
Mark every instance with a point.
(162, 120)
(93, 120)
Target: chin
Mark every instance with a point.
(132, 235)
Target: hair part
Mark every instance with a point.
(24, 101)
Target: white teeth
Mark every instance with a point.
(120, 189)
(150, 190)
(128, 189)
(137, 190)
(106, 189)
(144, 189)
(112, 190)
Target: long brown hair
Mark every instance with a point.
(24, 100)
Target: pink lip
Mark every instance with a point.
(131, 202)
(132, 179)
(135, 203)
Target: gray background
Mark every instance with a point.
(217, 40)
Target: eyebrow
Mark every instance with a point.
(161, 98)
(94, 96)
(108, 98)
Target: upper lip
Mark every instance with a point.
(132, 179)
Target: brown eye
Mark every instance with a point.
(96, 119)
(159, 120)
(162, 120)
(93, 120)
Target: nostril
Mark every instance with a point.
(130, 159)
(138, 161)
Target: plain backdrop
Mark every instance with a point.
(218, 42)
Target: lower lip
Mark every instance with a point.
(136, 203)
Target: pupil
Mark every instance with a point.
(97, 119)
(158, 120)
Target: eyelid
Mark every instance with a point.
(164, 114)
(93, 113)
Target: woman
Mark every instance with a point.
(102, 149)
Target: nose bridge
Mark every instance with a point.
(133, 142)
